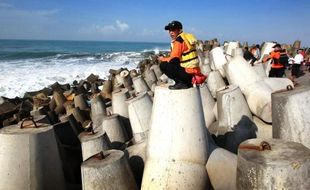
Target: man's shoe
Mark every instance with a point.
(179, 85)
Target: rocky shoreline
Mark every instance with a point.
(131, 127)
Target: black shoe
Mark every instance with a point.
(179, 85)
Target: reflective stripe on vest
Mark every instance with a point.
(189, 58)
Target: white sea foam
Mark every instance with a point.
(20, 76)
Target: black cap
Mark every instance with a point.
(277, 45)
(174, 25)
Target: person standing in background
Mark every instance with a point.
(277, 69)
(248, 56)
(297, 61)
(256, 51)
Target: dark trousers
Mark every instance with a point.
(276, 72)
(295, 70)
(176, 72)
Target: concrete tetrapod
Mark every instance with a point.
(140, 109)
(291, 112)
(107, 171)
(278, 83)
(258, 96)
(231, 107)
(139, 84)
(222, 169)
(126, 79)
(260, 71)
(79, 101)
(266, 49)
(119, 105)
(156, 70)
(115, 131)
(79, 115)
(98, 110)
(60, 99)
(218, 59)
(214, 82)
(240, 73)
(106, 91)
(94, 142)
(137, 158)
(273, 164)
(237, 52)
(119, 80)
(30, 159)
(207, 105)
(150, 77)
(176, 152)
(230, 48)
(264, 130)
(205, 69)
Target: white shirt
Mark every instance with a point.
(298, 59)
(291, 60)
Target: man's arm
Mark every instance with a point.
(176, 53)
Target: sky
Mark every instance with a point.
(254, 21)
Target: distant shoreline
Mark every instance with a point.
(114, 41)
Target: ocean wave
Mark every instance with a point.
(31, 74)
(26, 55)
(34, 65)
(63, 56)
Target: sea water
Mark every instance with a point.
(30, 65)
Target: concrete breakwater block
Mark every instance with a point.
(150, 77)
(231, 106)
(291, 110)
(237, 52)
(140, 110)
(231, 46)
(120, 107)
(240, 73)
(277, 84)
(80, 101)
(115, 130)
(30, 159)
(222, 169)
(207, 104)
(215, 82)
(258, 96)
(111, 172)
(156, 70)
(230, 140)
(98, 110)
(127, 80)
(264, 130)
(218, 59)
(260, 71)
(139, 84)
(137, 158)
(266, 49)
(273, 164)
(106, 91)
(177, 124)
(205, 69)
(94, 142)
(70, 151)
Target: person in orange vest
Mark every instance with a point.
(277, 68)
(182, 65)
